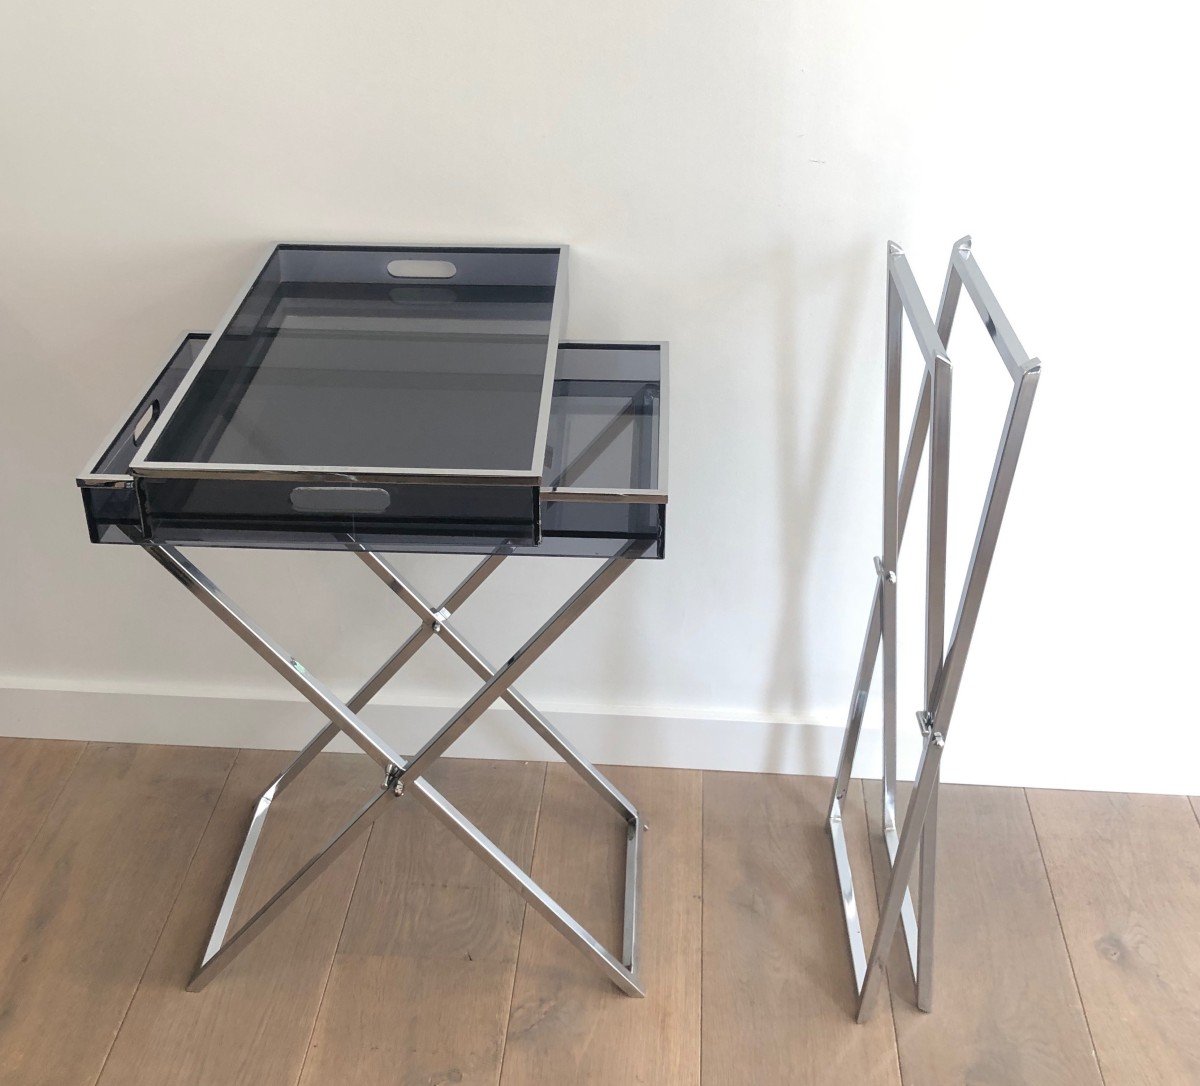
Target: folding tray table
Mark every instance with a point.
(378, 399)
(916, 835)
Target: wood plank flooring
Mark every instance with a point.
(568, 1023)
(1126, 876)
(1068, 932)
(254, 1022)
(424, 970)
(1006, 1008)
(84, 908)
(778, 991)
(34, 773)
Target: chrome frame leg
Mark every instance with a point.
(406, 776)
(387, 671)
(944, 662)
(935, 647)
(436, 621)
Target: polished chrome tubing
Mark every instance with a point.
(521, 660)
(313, 747)
(631, 926)
(217, 960)
(436, 622)
(278, 658)
(623, 976)
(964, 267)
(950, 676)
(401, 778)
(891, 537)
(943, 662)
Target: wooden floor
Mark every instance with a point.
(1068, 932)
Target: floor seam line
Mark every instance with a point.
(45, 819)
(866, 823)
(1063, 932)
(167, 917)
(537, 825)
(362, 862)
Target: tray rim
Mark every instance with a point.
(89, 477)
(625, 495)
(142, 465)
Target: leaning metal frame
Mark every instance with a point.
(405, 777)
(943, 663)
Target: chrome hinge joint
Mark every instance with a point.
(393, 781)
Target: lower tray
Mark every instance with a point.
(604, 483)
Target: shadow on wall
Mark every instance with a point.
(804, 462)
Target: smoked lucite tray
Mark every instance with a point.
(413, 398)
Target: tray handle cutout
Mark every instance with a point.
(340, 499)
(421, 269)
(148, 418)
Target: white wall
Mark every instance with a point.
(727, 175)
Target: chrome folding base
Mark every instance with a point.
(944, 662)
(406, 777)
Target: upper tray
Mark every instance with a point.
(374, 364)
(605, 480)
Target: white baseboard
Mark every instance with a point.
(59, 709)
(620, 737)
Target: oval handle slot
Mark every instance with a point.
(145, 422)
(340, 499)
(421, 269)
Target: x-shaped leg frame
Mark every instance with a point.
(406, 777)
(944, 661)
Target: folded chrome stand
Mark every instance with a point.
(407, 777)
(943, 663)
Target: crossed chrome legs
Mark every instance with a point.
(405, 777)
(944, 662)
